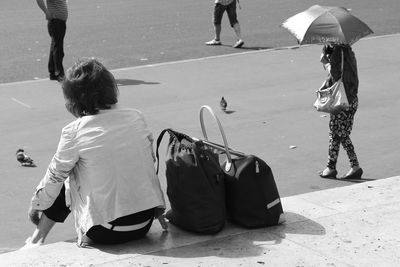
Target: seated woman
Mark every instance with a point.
(107, 156)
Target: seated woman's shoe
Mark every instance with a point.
(355, 175)
(328, 174)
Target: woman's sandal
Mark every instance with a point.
(355, 175)
(329, 175)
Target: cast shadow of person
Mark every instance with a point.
(126, 82)
(361, 180)
(245, 47)
(231, 242)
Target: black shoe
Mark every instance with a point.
(58, 78)
(356, 175)
(330, 175)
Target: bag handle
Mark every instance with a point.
(228, 165)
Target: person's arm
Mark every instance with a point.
(58, 171)
(336, 63)
(43, 7)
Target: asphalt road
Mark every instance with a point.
(124, 33)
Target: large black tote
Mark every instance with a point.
(251, 194)
(252, 197)
(195, 184)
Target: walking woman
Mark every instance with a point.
(341, 124)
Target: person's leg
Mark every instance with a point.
(50, 65)
(39, 235)
(58, 212)
(217, 29)
(232, 15)
(142, 221)
(346, 141)
(238, 33)
(334, 143)
(217, 19)
(58, 51)
(333, 149)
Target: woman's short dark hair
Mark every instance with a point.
(89, 87)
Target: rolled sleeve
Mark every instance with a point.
(58, 171)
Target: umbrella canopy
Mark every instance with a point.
(324, 24)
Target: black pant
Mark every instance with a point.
(58, 212)
(102, 235)
(56, 30)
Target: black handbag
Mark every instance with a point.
(252, 197)
(195, 184)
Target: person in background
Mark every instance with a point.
(56, 12)
(230, 7)
(341, 124)
(106, 155)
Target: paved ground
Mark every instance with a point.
(130, 33)
(346, 226)
(270, 96)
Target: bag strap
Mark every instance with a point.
(159, 139)
(341, 75)
(228, 165)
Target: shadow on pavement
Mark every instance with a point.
(232, 242)
(256, 47)
(362, 180)
(125, 82)
(245, 47)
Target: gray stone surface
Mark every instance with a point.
(347, 226)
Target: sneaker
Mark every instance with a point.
(238, 44)
(213, 42)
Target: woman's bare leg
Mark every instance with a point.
(39, 235)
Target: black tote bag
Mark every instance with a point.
(195, 184)
(252, 197)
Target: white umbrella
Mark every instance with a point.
(324, 24)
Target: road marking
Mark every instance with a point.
(236, 54)
(21, 103)
(206, 58)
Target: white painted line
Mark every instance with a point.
(23, 82)
(211, 57)
(203, 58)
(21, 103)
(238, 54)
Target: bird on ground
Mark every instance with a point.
(223, 104)
(24, 159)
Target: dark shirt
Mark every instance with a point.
(350, 74)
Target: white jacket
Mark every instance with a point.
(109, 162)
